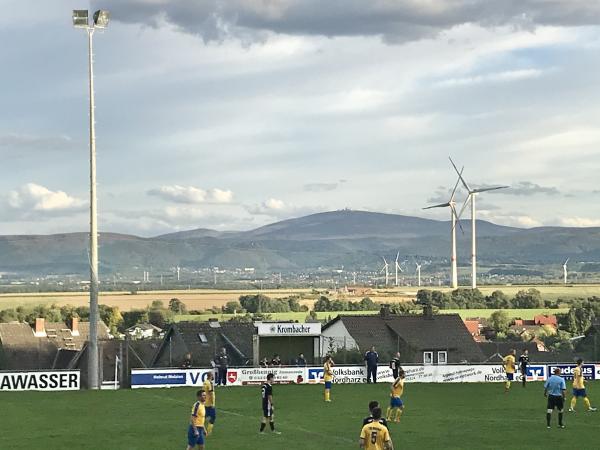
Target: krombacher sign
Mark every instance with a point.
(289, 329)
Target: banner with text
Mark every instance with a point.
(40, 381)
(151, 378)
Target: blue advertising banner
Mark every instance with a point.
(168, 377)
(566, 370)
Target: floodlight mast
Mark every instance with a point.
(81, 20)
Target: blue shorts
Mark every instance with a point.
(396, 402)
(328, 385)
(579, 392)
(211, 413)
(194, 440)
(510, 376)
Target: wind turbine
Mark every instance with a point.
(471, 196)
(397, 267)
(565, 270)
(386, 269)
(418, 274)
(452, 205)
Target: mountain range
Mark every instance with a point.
(355, 239)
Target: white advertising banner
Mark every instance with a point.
(289, 329)
(258, 375)
(446, 374)
(40, 381)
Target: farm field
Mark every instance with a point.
(207, 298)
(437, 416)
(301, 316)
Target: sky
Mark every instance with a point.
(234, 114)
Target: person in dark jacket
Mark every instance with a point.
(222, 362)
(187, 361)
(371, 358)
(301, 361)
(523, 363)
(395, 365)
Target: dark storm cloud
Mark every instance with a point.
(395, 20)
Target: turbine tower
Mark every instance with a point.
(418, 274)
(452, 205)
(397, 267)
(471, 196)
(386, 269)
(565, 271)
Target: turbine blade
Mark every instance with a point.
(460, 176)
(397, 256)
(457, 221)
(462, 209)
(456, 185)
(441, 205)
(490, 189)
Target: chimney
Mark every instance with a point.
(74, 326)
(40, 327)
(428, 311)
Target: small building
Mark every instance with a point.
(144, 331)
(420, 338)
(476, 327)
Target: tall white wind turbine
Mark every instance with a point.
(385, 269)
(471, 196)
(565, 271)
(418, 274)
(452, 205)
(397, 267)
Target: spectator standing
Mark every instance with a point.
(264, 362)
(222, 362)
(276, 361)
(395, 365)
(301, 361)
(371, 358)
(187, 361)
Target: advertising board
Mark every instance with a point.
(40, 381)
(143, 378)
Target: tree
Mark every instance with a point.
(499, 321)
(135, 316)
(366, 304)
(424, 297)
(529, 299)
(157, 304)
(177, 306)
(499, 300)
(233, 307)
(8, 315)
(111, 316)
(322, 304)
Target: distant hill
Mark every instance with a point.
(355, 239)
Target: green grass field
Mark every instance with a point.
(437, 416)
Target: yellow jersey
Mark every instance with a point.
(578, 378)
(209, 388)
(374, 435)
(397, 388)
(327, 372)
(198, 415)
(509, 364)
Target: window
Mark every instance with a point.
(443, 357)
(427, 357)
(202, 338)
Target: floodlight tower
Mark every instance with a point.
(100, 21)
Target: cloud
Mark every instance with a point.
(14, 144)
(396, 21)
(279, 209)
(321, 187)
(33, 201)
(527, 188)
(578, 222)
(498, 77)
(191, 195)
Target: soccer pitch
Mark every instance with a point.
(444, 416)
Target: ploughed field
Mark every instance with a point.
(437, 416)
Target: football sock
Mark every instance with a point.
(209, 428)
(507, 385)
(389, 413)
(262, 427)
(272, 426)
(587, 402)
(573, 402)
(327, 396)
(548, 416)
(398, 413)
(560, 417)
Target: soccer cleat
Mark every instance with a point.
(592, 409)
(276, 432)
(572, 410)
(548, 427)
(561, 426)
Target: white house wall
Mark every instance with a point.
(336, 336)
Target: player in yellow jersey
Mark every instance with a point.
(375, 436)
(328, 376)
(509, 368)
(579, 388)
(211, 413)
(196, 428)
(396, 403)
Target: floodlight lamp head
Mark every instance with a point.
(101, 18)
(80, 18)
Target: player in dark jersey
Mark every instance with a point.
(523, 363)
(266, 391)
(372, 405)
